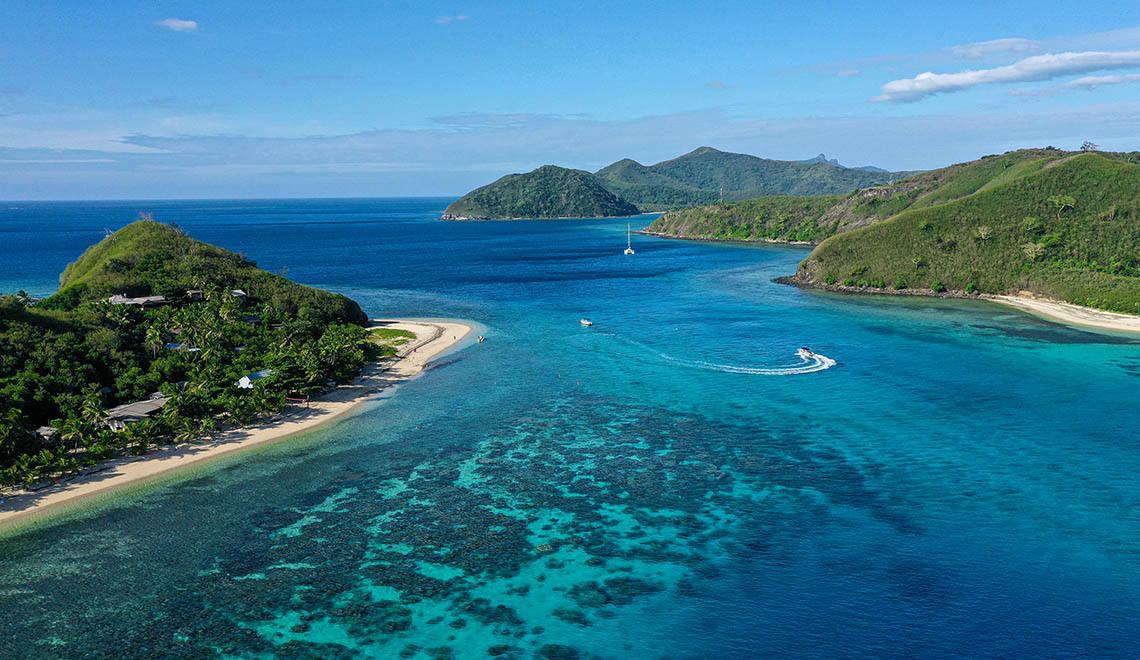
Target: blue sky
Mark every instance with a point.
(290, 99)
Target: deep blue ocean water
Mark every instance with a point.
(964, 483)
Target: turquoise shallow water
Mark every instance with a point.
(962, 484)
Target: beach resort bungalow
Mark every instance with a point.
(246, 382)
(120, 416)
(239, 294)
(142, 301)
(195, 294)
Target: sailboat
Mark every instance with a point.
(628, 244)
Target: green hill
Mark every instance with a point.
(708, 175)
(547, 192)
(1059, 225)
(150, 258)
(68, 362)
(813, 219)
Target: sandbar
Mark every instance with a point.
(1070, 313)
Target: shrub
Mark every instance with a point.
(937, 286)
(830, 279)
(848, 282)
(878, 284)
(900, 285)
(971, 288)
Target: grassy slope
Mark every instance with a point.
(700, 176)
(1007, 236)
(148, 257)
(547, 192)
(816, 218)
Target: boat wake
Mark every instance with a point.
(807, 364)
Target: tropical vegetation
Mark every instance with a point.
(65, 361)
(708, 175)
(547, 192)
(1063, 226)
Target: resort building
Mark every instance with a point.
(246, 382)
(142, 301)
(120, 416)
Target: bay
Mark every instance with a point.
(963, 483)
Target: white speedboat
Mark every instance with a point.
(586, 323)
(805, 353)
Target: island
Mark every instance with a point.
(160, 346)
(707, 175)
(627, 187)
(547, 192)
(1041, 225)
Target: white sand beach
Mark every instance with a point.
(1070, 313)
(432, 338)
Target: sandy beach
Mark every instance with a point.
(1070, 313)
(432, 338)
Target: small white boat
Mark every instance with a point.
(586, 323)
(805, 353)
(628, 244)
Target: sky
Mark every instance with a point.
(223, 99)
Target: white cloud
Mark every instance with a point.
(1088, 83)
(716, 84)
(1038, 67)
(451, 19)
(849, 73)
(1092, 82)
(179, 25)
(983, 48)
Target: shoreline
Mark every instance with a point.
(450, 217)
(1069, 313)
(24, 508)
(1053, 310)
(763, 241)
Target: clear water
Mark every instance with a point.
(964, 483)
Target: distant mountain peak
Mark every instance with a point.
(822, 158)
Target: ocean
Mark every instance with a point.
(672, 482)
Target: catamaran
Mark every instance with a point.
(628, 244)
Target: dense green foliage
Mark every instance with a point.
(1061, 226)
(65, 361)
(148, 257)
(799, 219)
(812, 219)
(708, 175)
(547, 192)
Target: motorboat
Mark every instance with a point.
(805, 353)
(586, 323)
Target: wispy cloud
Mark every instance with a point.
(451, 19)
(848, 73)
(1092, 82)
(983, 48)
(178, 25)
(1036, 68)
(1088, 83)
(716, 84)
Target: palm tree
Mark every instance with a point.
(92, 411)
(75, 432)
(154, 340)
